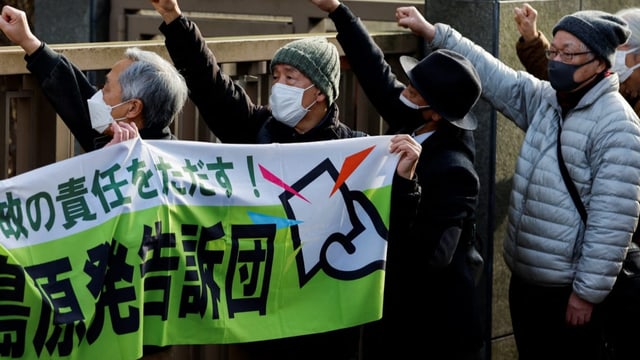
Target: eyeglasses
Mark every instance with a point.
(564, 56)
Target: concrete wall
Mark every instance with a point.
(71, 21)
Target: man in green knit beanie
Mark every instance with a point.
(302, 108)
(317, 59)
(305, 85)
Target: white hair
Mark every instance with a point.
(632, 17)
(157, 83)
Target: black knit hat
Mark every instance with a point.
(448, 82)
(317, 59)
(600, 31)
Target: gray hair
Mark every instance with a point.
(157, 83)
(632, 17)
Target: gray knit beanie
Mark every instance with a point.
(601, 32)
(317, 59)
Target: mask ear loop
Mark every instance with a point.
(122, 103)
(307, 108)
(636, 53)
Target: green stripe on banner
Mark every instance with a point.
(282, 255)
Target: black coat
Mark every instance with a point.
(232, 116)
(437, 295)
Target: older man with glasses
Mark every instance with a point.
(563, 262)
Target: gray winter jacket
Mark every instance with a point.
(546, 241)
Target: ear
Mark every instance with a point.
(321, 97)
(602, 65)
(134, 113)
(435, 117)
(134, 108)
(636, 58)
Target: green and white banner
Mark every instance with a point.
(177, 242)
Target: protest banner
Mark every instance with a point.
(177, 242)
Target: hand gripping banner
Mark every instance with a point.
(177, 242)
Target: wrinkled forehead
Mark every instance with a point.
(117, 69)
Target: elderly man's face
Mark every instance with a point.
(112, 92)
(569, 49)
(289, 75)
(576, 53)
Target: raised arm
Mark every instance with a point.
(326, 5)
(15, 26)
(532, 43)
(409, 17)
(525, 18)
(168, 9)
(369, 65)
(224, 105)
(65, 86)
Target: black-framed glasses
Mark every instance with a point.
(564, 56)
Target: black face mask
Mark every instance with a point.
(561, 75)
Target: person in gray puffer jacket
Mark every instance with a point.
(561, 267)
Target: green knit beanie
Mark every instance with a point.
(317, 59)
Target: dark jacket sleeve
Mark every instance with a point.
(368, 64)
(405, 197)
(532, 57)
(224, 106)
(67, 88)
(446, 212)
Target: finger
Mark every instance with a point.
(531, 12)
(518, 12)
(117, 132)
(567, 316)
(401, 12)
(397, 139)
(130, 128)
(122, 131)
(406, 149)
(6, 15)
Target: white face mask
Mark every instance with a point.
(411, 105)
(620, 66)
(100, 112)
(286, 103)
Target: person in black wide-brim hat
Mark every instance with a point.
(575, 191)
(448, 83)
(430, 282)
